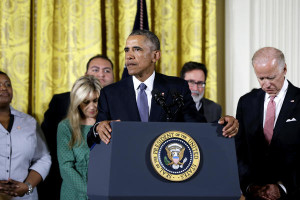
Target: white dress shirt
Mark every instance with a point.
(149, 83)
(278, 101)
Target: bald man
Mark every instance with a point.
(268, 141)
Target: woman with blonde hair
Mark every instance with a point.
(72, 149)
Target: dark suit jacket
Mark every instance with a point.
(118, 101)
(211, 110)
(260, 163)
(58, 108)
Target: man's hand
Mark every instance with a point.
(266, 192)
(232, 126)
(104, 131)
(271, 192)
(256, 191)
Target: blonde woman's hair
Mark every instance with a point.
(82, 88)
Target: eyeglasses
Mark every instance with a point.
(200, 84)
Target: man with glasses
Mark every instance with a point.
(195, 74)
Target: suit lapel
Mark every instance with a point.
(257, 125)
(261, 101)
(129, 100)
(156, 110)
(205, 106)
(288, 106)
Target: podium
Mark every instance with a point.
(122, 170)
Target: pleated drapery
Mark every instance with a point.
(45, 44)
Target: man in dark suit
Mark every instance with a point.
(268, 141)
(99, 66)
(195, 74)
(132, 100)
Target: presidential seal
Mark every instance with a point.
(175, 156)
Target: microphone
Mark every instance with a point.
(177, 98)
(160, 99)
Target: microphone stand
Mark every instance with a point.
(177, 99)
(160, 99)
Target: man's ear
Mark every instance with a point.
(285, 69)
(156, 56)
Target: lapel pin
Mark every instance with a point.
(293, 101)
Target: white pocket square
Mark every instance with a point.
(291, 120)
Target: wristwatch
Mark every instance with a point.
(30, 189)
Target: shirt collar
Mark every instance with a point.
(198, 104)
(13, 111)
(282, 91)
(149, 82)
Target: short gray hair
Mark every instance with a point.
(266, 54)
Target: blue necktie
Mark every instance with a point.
(142, 103)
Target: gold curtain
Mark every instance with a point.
(45, 44)
(15, 49)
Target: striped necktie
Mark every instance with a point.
(270, 119)
(142, 103)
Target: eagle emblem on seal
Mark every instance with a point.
(175, 153)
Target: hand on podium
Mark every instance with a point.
(232, 126)
(104, 130)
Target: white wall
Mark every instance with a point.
(250, 25)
